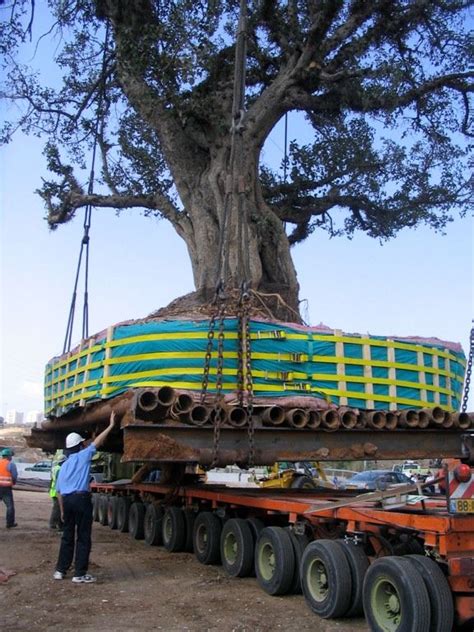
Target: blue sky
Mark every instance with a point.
(420, 283)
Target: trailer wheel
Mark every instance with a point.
(358, 563)
(303, 482)
(123, 510)
(256, 525)
(395, 597)
(299, 543)
(207, 538)
(237, 548)
(441, 599)
(103, 509)
(95, 507)
(136, 520)
(274, 561)
(112, 512)
(153, 525)
(326, 579)
(174, 529)
(189, 518)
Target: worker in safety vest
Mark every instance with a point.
(75, 502)
(55, 521)
(8, 476)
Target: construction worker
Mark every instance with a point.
(75, 502)
(8, 476)
(55, 521)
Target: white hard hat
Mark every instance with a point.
(73, 439)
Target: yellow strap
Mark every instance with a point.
(383, 364)
(331, 377)
(418, 403)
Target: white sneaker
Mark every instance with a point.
(84, 579)
(58, 575)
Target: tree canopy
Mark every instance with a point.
(384, 89)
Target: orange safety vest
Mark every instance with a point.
(6, 479)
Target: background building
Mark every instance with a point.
(14, 418)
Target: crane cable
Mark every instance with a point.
(84, 249)
(234, 186)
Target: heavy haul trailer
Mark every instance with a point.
(404, 560)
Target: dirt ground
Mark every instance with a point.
(138, 588)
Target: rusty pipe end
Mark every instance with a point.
(297, 417)
(462, 420)
(166, 395)
(148, 400)
(273, 415)
(376, 419)
(448, 420)
(237, 417)
(314, 419)
(199, 415)
(183, 403)
(408, 418)
(330, 420)
(348, 418)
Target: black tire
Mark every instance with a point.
(237, 548)
(152, 526)
(189, 518)
(326, 579)
(123, 511)
(174, 529)
(95, 507)
(136, 521)
(359, 563)
(207, 538)
(103, 509)
(299, 542)
(303, 482)
(441, 599)
(256, 527)
(112, 512)
(395, 596)
(274, 561)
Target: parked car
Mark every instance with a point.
(41, 466)
(371, 480)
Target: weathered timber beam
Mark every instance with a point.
(194, 444)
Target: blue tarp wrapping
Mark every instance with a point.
(371, 372)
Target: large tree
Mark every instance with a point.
(384, 87)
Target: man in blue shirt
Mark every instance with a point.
(75, 501)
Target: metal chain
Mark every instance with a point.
(248, 380)
(218, 410)
(467, 382)
(240, 357)
(207, 361)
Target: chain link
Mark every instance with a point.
(207, 361)
(467, 382)
(218, 411)
(247, 354)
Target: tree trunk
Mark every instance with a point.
(264, 259)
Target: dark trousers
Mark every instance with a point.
(6, 494)
(76, 538)
(55, 521)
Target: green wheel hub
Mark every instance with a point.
(317, 579)
(230, 548)
(386, 605)
(266, 561)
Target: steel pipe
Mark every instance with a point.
(348, 418)
(330, 420)
(376, 419)
(408, 419)
(314, 419)
(273, 416)
(462, 420)
(237, 417)
(297, 417)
